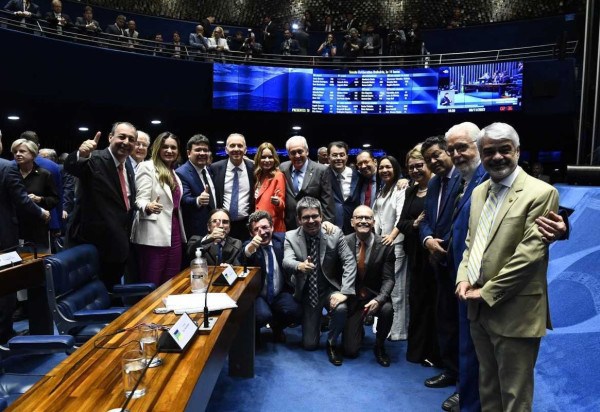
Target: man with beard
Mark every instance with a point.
(104, 212)
(502, 275)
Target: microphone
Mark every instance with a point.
(206, 324)
(21, 244)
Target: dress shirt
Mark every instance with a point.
(117, 163)
(506, 184)
(210, 182)
(244, 198)
(302, 171)
(369, 244)
(345, 179)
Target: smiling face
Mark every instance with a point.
(141, 147)
(122, 141)
(437, 160)
(199, 154)
(366, 165)
(463, 152)
(219, 219)
(418, 171)
(338, 158)
(362, 221)
(386, 171)
(298, 154)
(267, 160)
(236, 148)
(264, 229)
(499, 157)
(310, 220)
(169, 151)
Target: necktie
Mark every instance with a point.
(270, 274)
(211, 201)
(313, 288)
(368, 193)
(340, 179)
(219, 253)
(362, 267)
(296, 181)
(443, 189)
(481, 235)
(235, 194)
(123, 185)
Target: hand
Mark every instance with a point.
(419, 219)
(154, 207)
(387, 240)
(45, 215)
(254, 244)
(306, 266)
(34, 198)
(217, 234)
(372, 306)
(89, 146)
(552, 227)
(65, 215)
(473, 294)
(402, 184)
(275, 198)
(435, 249)
(336, 299)
(461, 290)
(204, 198)
(328, 227)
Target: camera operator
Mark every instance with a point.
(396, 40)
(413, 39)
(251, 47)
(327, 49)
(289, 46)
(353, 45)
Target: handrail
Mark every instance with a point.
(149, 47)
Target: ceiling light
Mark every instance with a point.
(155, 122)
(366, 145)
(83, 129)
(13, 117)
(220, 142)
(296, 128)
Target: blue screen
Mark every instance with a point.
(449, 89)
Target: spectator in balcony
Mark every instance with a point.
(217, 44)
(289, 46)
(351, 22)
(413, 39)
(251, 48)
(177, 48)
(25, 10)
(327, 49)
(132, 34)
(237, 42)
(207, 24)
(159, 47)
(56, 18)
(87, 24)
(306, 22)
(268, 35)
(328, 26)
(118, 28)
(396, 41)
(198, 42)
(371, 41)
(353, 45)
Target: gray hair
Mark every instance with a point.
(296, 140)
(470, 128)
(235, 135)
(117, 124)
(499, 131)
(308, 202)
(143, 134)
(29, 144)
(49, 154)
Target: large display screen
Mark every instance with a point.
(447, 89)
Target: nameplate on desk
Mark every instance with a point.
(226, 278)
(180, 334)
(10, 258)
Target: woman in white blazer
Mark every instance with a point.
(158, 228)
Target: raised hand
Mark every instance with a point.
(204, 197)
(154, 207)
(87, 147)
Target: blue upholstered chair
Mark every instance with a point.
(78, 299)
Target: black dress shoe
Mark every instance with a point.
(381, 356)
(451, 403)
(334, 355)
(442, 380)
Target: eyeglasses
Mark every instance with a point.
(337, 155)
(459, 148)
(361, 218)
(222, 221)
(141, 144)
(308, 218)
(416, 166)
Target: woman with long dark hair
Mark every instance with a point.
(269, 190)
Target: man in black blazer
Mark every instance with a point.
(275, 305)
(56, 18)
(23, 9)
(305, 178)
(13, 196)
(344, 185)
(234, 184)
(374, 283)
(104, 212)
(87, 24)
(217, 246)
(118, 28)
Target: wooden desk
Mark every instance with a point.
(90, 379)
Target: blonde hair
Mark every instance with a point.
(31, 146)
(415, 153)
(165, 175)
(258, 172)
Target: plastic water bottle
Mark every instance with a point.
(199, 273)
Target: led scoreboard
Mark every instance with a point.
(448, 89)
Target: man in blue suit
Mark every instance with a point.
(275, 305)
(198, 190)
(435, 236)
(344, 182)
(12, 196)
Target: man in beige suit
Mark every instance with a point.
(503, 272)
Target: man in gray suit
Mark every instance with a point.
(305, 178)
(322, 270)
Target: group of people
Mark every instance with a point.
(452, 259)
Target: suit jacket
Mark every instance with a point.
(154, 229)
(195, 218)
(53, 21)
(101, 217)
(316, 184)
(231, 253)
(293, 49)
(336, 260)
(515, 260)
(218, 171)
(13, 197)
(17, 5)
(81, 24)
(344, 208)
(198, 43)
(274, 186)
(258, 258)
(432, 225)
(114, 30)
(379, 277)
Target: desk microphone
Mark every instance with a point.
(206, 324)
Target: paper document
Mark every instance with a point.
(194, 302)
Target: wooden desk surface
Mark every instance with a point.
(90, 379)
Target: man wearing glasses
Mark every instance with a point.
(217, 246)
(322, 270)
(140, 150)
(374, 284)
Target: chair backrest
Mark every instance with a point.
(76, 285)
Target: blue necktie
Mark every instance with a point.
(296, 181)
(270, 274)
(235, 194)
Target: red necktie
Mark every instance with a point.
(362, 268)
(123, 185)
(368, 194)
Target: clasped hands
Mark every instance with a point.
(465, 291)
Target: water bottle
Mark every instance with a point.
(199, 273)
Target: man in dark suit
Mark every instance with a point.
(322, 270)
(435, 235)
(105, 208)
(87, 24)
(305, 178)
(367, 167)
(56, 18)
(198, 198)
(344, 182)
(502, 275)
(118, 28)
(268, 34)
(275, 305)
(234, 184)
(217, 246)
(374, 284)
(25, 10)
(13, 196)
